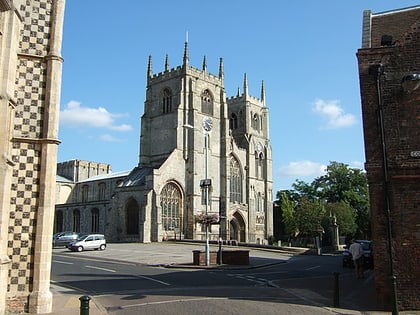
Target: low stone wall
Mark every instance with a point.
(229, 257)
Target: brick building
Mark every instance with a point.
(389, 71)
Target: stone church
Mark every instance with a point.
(201, 152)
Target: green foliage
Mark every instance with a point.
(344, 193)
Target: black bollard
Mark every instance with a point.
(336, 302)
(84, 304)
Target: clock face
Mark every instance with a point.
(259, 147)
(207, 123)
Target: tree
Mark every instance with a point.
(288, 213)
(344, 215)
(340, 184)
(308, 216)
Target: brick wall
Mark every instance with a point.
(401, 126)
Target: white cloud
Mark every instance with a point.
(110, 138)
(335, 115)
(75, 115)
(303, 168)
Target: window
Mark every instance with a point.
(95, 220)
(259, 159)
(167, 101)
(76, 220)
(207, 103)
(170, 201)
(235, 181)
(85, 193)
(258, 203)
(255, 122)
(59, 219)
(101, 191)
(233, 121)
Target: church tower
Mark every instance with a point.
(214, 151)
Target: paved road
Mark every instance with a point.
(306, 287)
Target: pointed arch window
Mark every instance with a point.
(235, 181)
(255, 122)
(233, 121)
(167, 101)
(95, 220)
(76, 220)
(259, 165)
(85, 193)
(101, 191)
(207, 103)
(170, 201)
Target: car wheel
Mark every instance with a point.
(102, 247)
(79, 248)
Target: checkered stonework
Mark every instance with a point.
(36, 31)
(24, 196)
(30, 86)
(30, 94)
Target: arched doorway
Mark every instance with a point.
(237, 228)
(132, 215)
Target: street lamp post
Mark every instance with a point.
(206, 183)
(206, 173)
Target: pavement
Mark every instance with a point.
(355, 296)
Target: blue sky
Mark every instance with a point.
(304, 50)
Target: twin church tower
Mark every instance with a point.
(200, 152)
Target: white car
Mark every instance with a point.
(88, 241)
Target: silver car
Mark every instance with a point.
(88, 241)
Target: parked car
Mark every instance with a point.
(64, 238)
(88, 241)
(367, 255)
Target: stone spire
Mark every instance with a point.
(186, 54)
(221, 69)
(263, 92)
(204, 64)
(245, 85)
(167, 63)
(149, 68)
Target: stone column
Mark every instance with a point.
(9, 42)
(40, 299)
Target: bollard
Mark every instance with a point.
(84, 304)
(336, 301)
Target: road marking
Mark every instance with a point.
(172, 301)
(63, 262)
(151, 279)
(314, 267)
(98, 268)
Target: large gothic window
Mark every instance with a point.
(235, 181)
(132, 217)
(170, 201)
(207, 103)
(167, 101)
